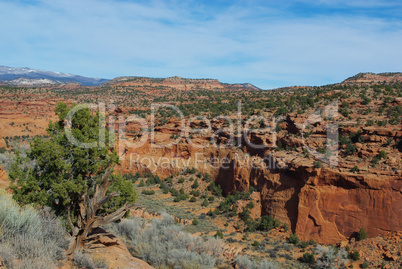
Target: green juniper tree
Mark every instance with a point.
(73, 180)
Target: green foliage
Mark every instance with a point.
(382, 155)
(174, 192)
(256, 243)
(366, 100)
(196, 193)
(216, 190)
(195, 222)
(362, 234)
(267, 223)
(153, 179)
(293, 239)
(304, 244)
(127, 194)
(207, 178)
(64, 171)
(245, 215)
(205, 203)
(355, 169)
(195, 185)
(132, 177)
(351, 149)
(250, 205)
(219, 234)
(365, 264)
(148, 192)
(286, 227)
(354, 255)
(181, 197)
(307, 258)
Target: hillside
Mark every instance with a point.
(267, 151)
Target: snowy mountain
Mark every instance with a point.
(29, 77)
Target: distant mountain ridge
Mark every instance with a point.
(25, 76)
(375, 78)
(180, 83)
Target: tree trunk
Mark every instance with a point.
(87, 218)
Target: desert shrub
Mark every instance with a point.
(365, 100)
(245, 215)
(194, 222)
(266, 223)
(153, 179)
(382, 155)
(211, 213)
(132, 177)
(163, 244)
(286, 227)
(251, 225)
(196, 193)
(317, 164)
(351, 149)
(250, 205)
(330, 257)
(174, 192)
(307, 258)
(362, 234)
(215, 190)
(355, 169)
(244, 262)
(354, 255)
(148, 192)
(303, 244)
(33, 239)
(207, 177)
(364, 264)
(293, 239)
(82, 260)
(219, 234)
(195, 185)
(181, 197)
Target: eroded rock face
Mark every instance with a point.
(325, 205)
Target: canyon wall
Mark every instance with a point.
(327, 204)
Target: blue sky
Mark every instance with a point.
(267, 43)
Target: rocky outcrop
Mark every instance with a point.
(326, 205)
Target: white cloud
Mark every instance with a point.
(268, 46)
